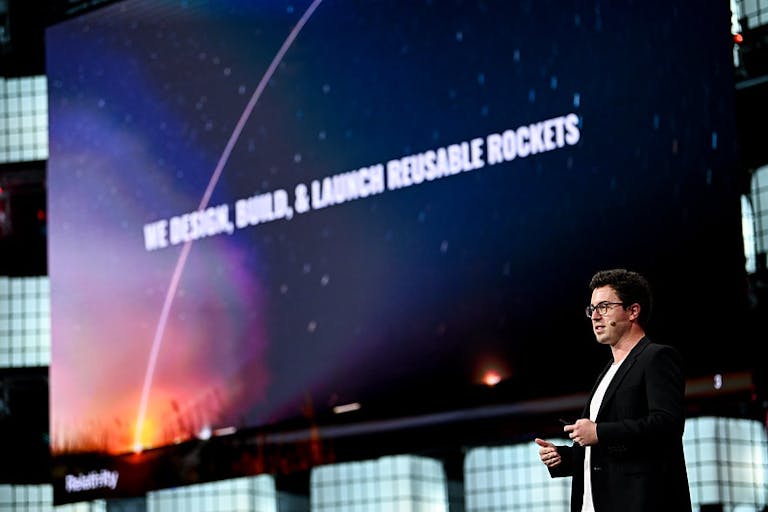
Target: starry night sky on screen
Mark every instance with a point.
(559, 138)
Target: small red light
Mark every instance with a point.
(738, 38)
(491, 378)
(41, 215)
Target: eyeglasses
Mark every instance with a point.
(601, 308)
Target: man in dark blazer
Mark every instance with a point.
(627, 452)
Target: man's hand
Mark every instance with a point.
(548, 453)
(583, 432)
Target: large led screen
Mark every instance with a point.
(263, 211)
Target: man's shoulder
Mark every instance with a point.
(650, 353)
(651, 348)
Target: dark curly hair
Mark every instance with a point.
(631, 288)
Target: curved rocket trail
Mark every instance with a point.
(176, 277)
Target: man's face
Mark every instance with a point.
(615, 323)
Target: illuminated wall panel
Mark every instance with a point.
(25, 332)
(402, 483)
(507, 478)
(727, 461)
(23, 119)
(251, 494)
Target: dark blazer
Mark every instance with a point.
(637, 463)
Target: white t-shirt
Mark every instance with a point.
(594, 406)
